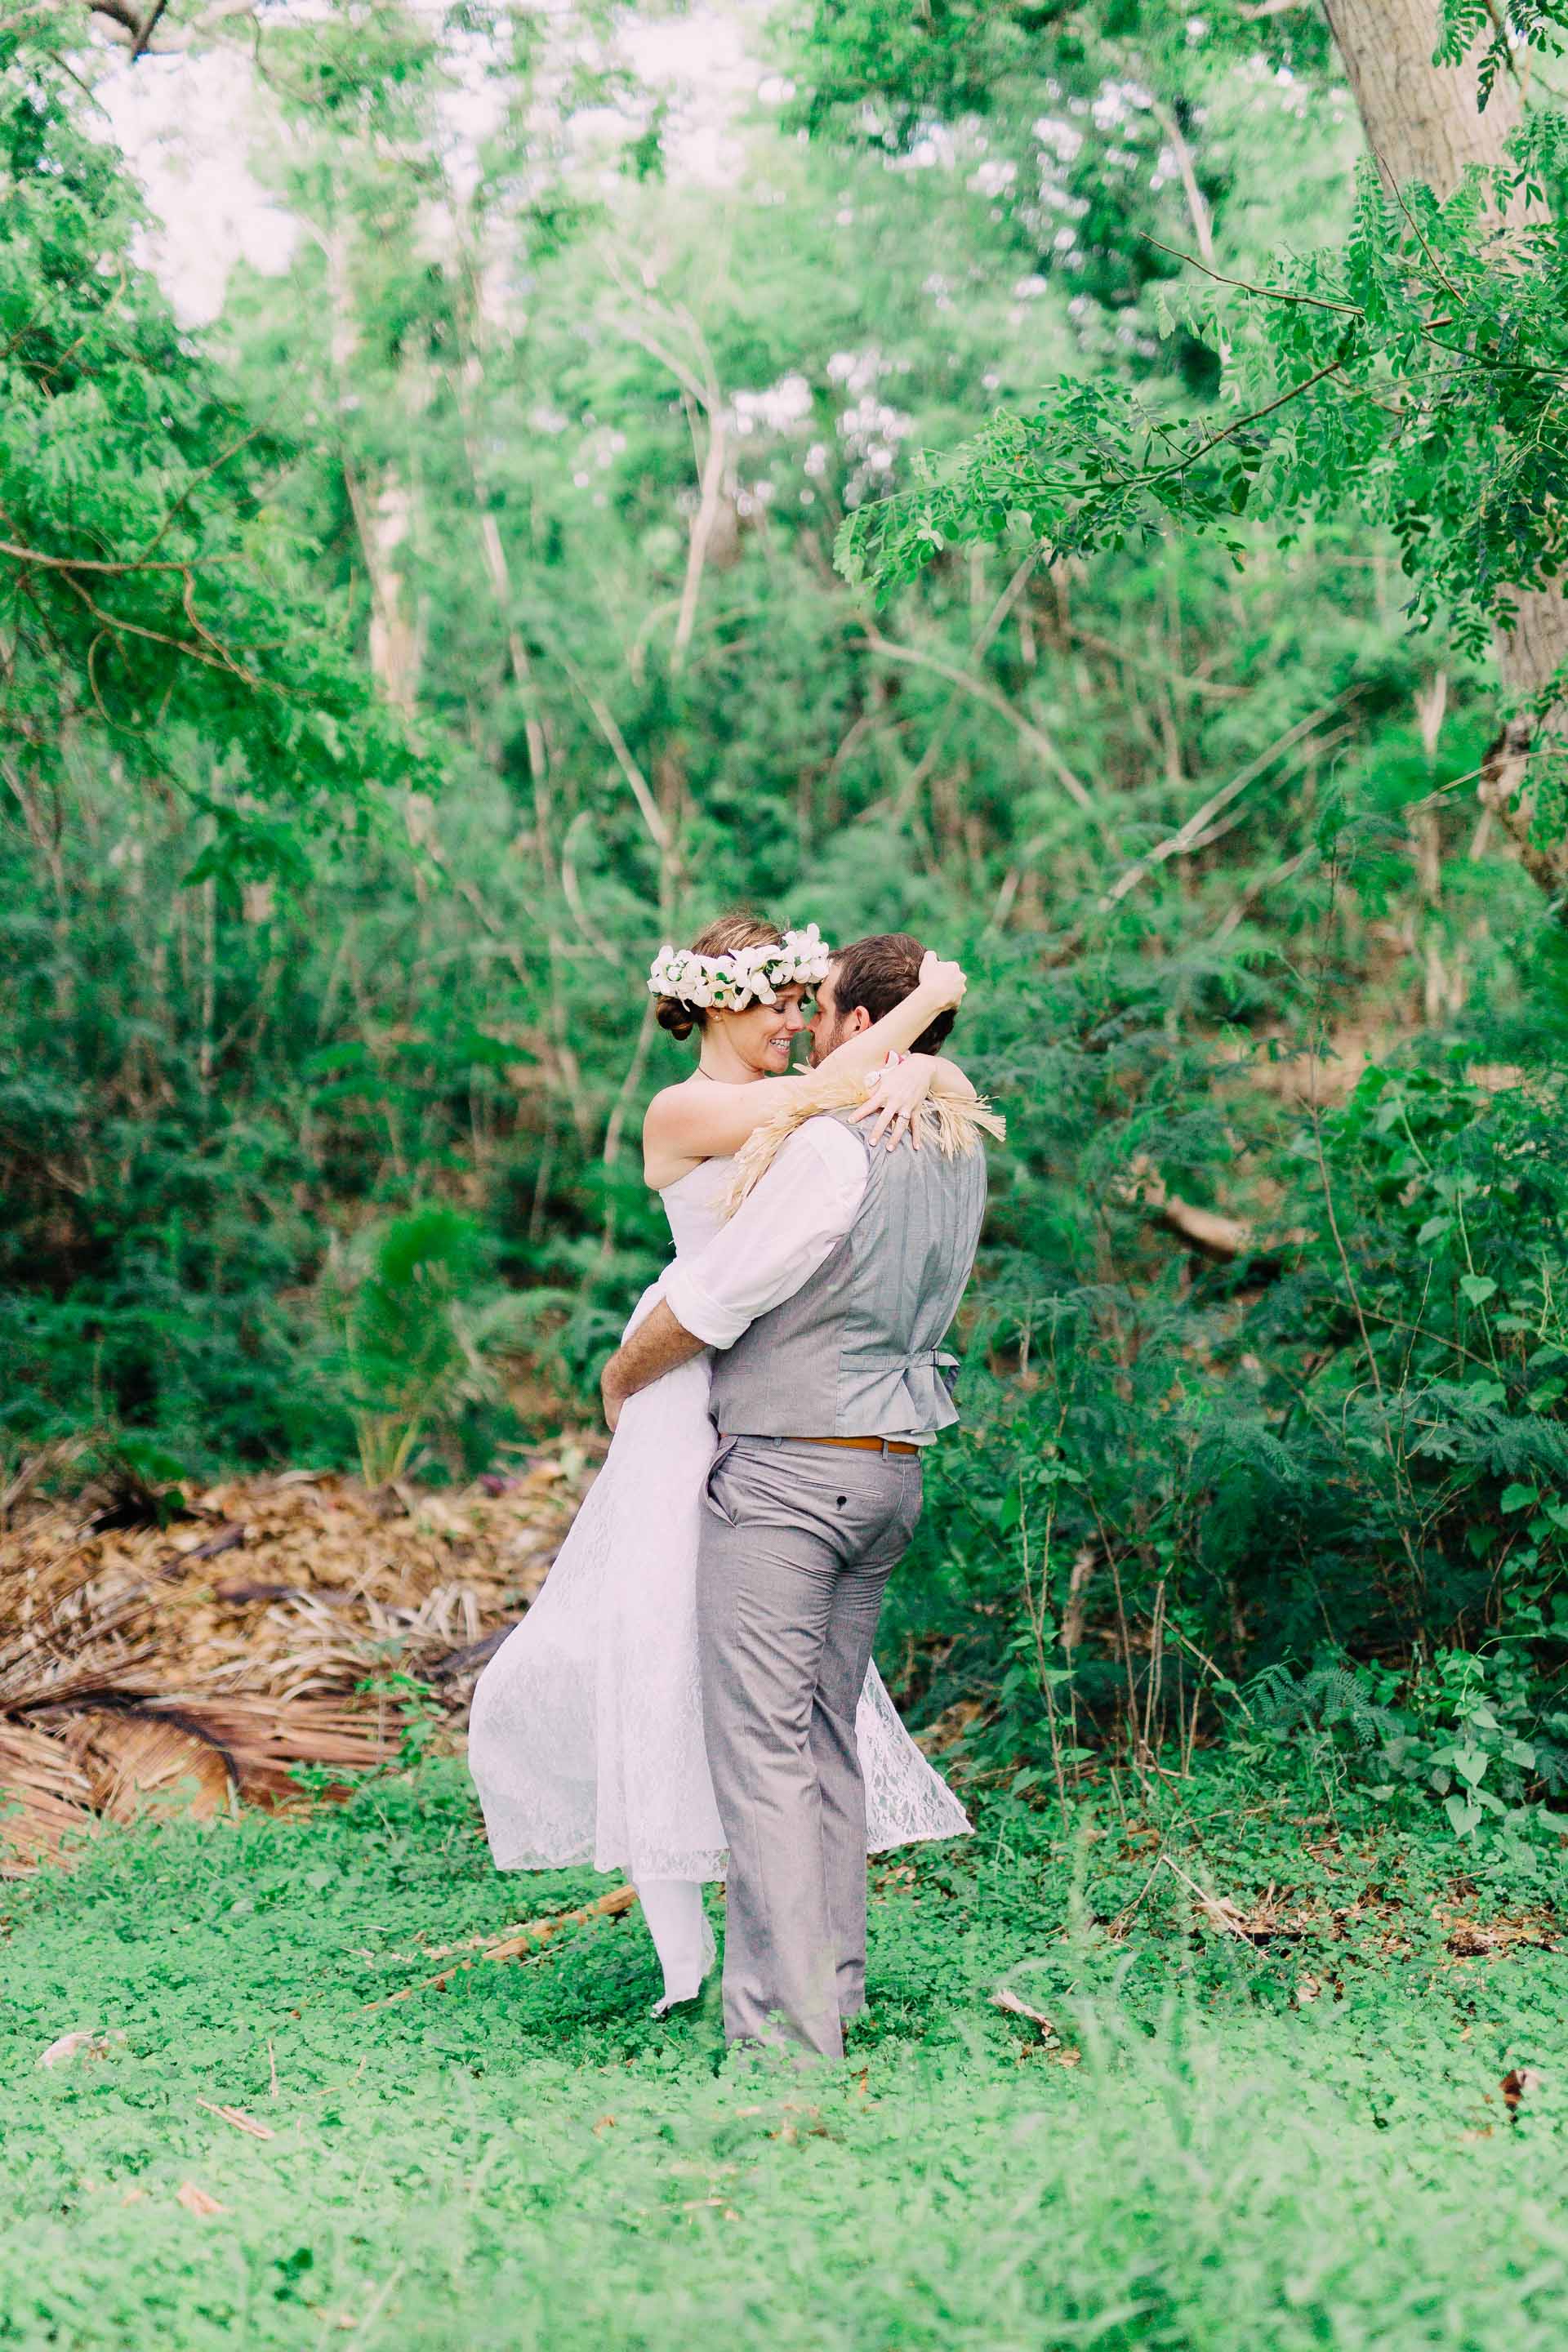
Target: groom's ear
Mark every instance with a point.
(857, 1019)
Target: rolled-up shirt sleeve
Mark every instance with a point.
(796, 1215)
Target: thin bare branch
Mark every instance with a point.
(1034, 735)
(603, 718)
(145, 37)
(33, 555)
(1246, 286)
(1187, 837)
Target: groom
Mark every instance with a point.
(825, 1300)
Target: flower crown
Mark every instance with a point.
(745, 976)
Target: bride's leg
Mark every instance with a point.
(681, 1935)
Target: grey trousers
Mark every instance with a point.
(798, 1541)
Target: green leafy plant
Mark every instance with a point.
(424, 1719)
(1478, 1739)
(422, 1326)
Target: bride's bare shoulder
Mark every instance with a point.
(669, 1145)
(669, 1105)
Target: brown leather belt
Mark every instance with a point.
(861, 1445)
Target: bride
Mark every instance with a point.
(586, 1738)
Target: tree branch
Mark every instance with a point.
(144, 38)
(33, 555)
(603, 718)
(878, 643)
(1246, 286)
(1187, 835)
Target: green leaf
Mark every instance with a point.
(1478, 1288)
(1518, 1498)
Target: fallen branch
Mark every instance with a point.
(519, 1946)
(240, 2119)
(1016, 2006)
(1219, 1238)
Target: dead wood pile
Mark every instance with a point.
(187, 1664)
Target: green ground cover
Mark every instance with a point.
(1300, 2140)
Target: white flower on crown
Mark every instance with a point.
(745, 976)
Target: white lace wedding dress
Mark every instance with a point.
(585, 1738)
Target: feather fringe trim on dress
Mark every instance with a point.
(954, 1123)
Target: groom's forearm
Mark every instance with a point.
(655, 1347)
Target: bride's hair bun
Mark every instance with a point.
(728, 934)
(679, 1019)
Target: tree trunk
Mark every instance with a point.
(1422, 123)
(382, 508)
(1420, 120)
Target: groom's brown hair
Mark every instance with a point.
(879, 974)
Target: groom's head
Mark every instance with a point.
(864, 982)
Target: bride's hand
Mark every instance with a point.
(896, 1092)
(942, 980)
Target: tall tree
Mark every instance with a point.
(1412, 373)
(1430, 122)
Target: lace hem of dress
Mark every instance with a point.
(712, 1864)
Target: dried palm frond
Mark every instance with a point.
(139, 1757)
(151, 1668)
(46, 1798)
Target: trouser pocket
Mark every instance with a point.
(712, 1486)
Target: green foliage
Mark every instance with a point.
(1416, 319)
(1462, 24)
(420, 1320)
(1328, 1698)
(1086, 127)
(1161, 1483)
(1467, 1737)
(1201, 836)
(155, 608)
(1300, 2141)
(1480, 1740)
(923, 65)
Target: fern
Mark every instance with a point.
(1322, 1700)
(420, 1329)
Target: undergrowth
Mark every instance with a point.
(1269, 2096)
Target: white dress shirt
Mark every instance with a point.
(795, 1216)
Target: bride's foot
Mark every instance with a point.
(674, 2001)
(684, 1990)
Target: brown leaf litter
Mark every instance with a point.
(1469, 1938)
(145, 1667)
(1276, 1916)
(1516, 2085)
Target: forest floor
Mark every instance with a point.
(1272, 2084)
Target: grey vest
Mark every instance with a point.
(856, 1351)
